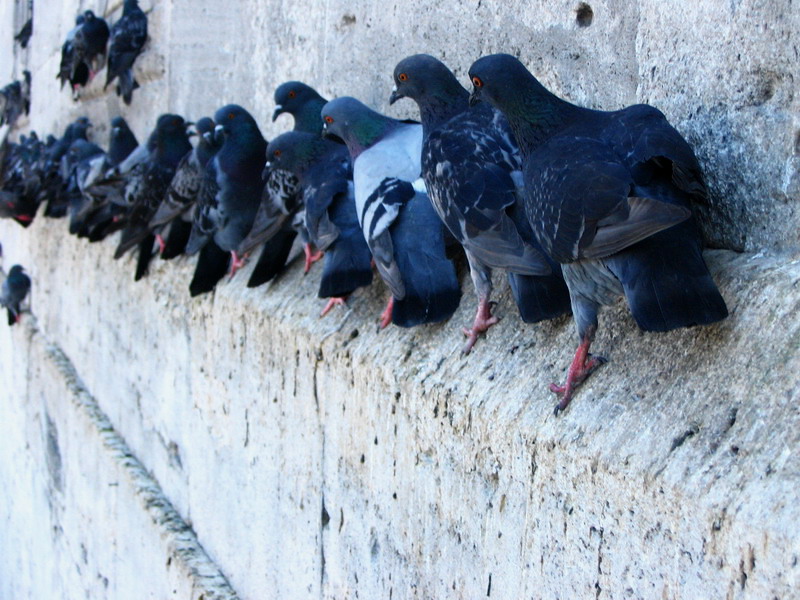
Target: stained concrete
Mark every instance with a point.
(320, 458)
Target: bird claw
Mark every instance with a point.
(336, 301)
(386, 315)
(311, 258)
(483, 321)
(237, 263)
(575, 377)
(162, 245)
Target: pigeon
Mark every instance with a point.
(128, 36)
(174, 211)
(325, 177)
(280, 203)
(24, 35)
(12, 294)
(79, 157)
(89, 44)
(20, 179)
(102, 187)
(226, 214)
(148, 184)
(470, 162)
(15, 99)
(609, 196)
(71, 69)
(53, 188)
(403, 232)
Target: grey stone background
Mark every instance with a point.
(319, 458)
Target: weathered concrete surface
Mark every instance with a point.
(318, 458)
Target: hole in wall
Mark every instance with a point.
(584, 15)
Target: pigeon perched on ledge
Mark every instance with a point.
(13, 292)
(403, 232)
(128, 37)
(226, 214)
(325, 178)
(470, 163)
(609, 196)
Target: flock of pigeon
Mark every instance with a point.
(578, 206)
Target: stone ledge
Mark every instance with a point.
(673, 471)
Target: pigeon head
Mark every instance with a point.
(118, 124)
(204, 125)
(295, 151)
(81, 149)
(16, 270)
(88, 16)
(129, 5)
(302, 102)
(357, 125)
(77, 129)
(234, 120)
(425, 79)
(170, 137)
(501, 80)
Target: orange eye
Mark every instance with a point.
(292, 94)
(476, 81)
(231, 115)
(402, 77)
(276, 153)
(328, 119)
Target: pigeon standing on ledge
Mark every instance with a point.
(227, 215)
(128, 36)
(609, 196)
(15, 289)
(323, 170)
(403, 232)
(470, 163)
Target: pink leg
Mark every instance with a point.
(161, 244)
(335, 301)
(236, 262)
(386, 315)
(311, 258)
(483, 320)
(582, 366)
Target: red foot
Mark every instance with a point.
(310, 257)
(483, 321)
(331, 303)
(162, 245)
(583, 365)
(386, 315)
(237, 262)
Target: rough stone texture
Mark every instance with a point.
(319, 458)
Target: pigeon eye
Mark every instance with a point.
(402, 77)
(231, 115)
(277, 153)
(292, 94)
(476, 81)
(329, 119)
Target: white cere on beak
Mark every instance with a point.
(218, 128)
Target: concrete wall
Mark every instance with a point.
(320, 458)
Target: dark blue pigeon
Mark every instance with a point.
(13, 292)
(471, 165)
(226, 214)
(71, 68)
(128, 36)
(175, 211)
(54, 185)
(609, 195)
(403, 232)
(325, 181)
(89, 44)
(148, 184)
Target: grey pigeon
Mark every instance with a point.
(128, 36)
(471, 165)
(13, 292)
(609, 195)
(403, 232)
(326, 184)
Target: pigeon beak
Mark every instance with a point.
(474, 98)
(207, 137)
(277, 113)
(395, 95)
(219, 129)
